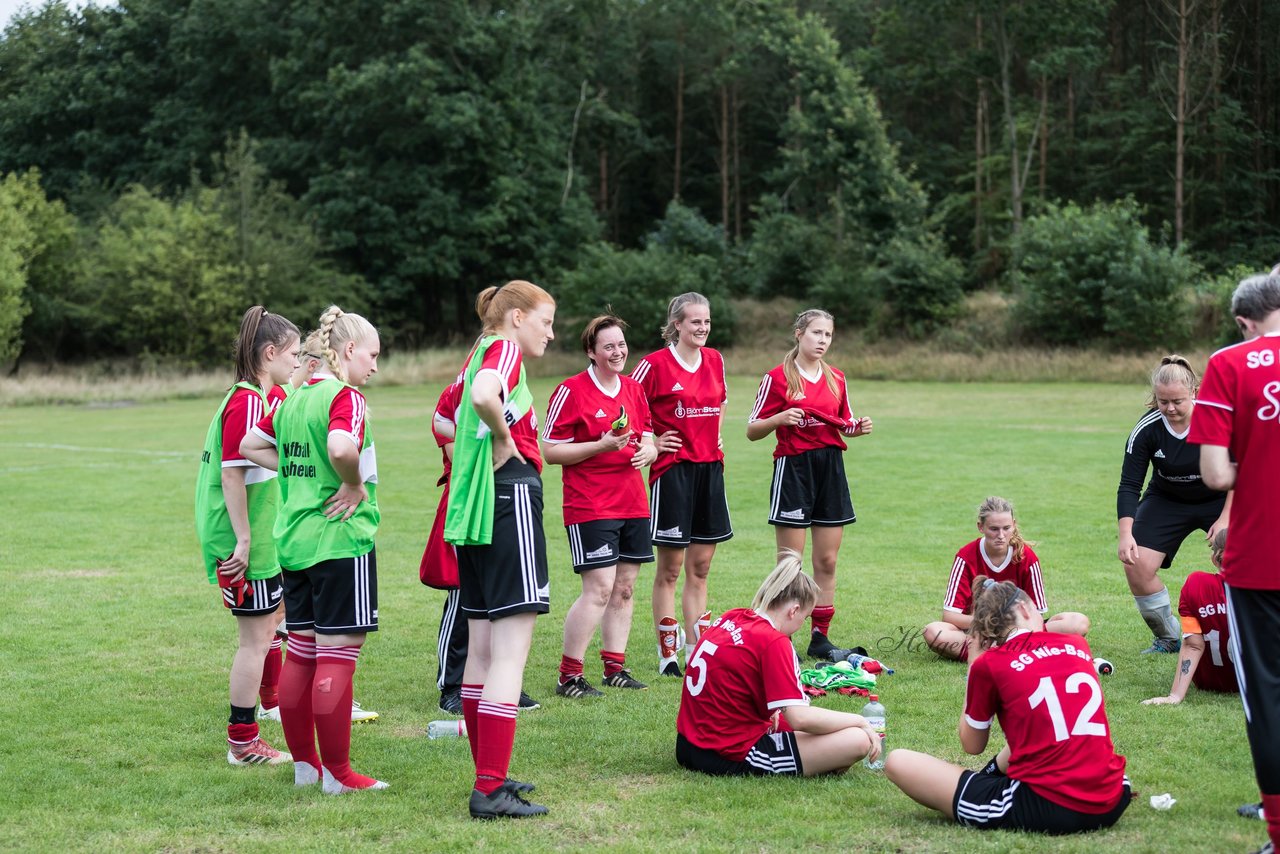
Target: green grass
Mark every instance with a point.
(116, 650)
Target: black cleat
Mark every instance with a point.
(672, 669)
(518, 787)
(527, 703)
(503, 803)
(577, 688)
(1251, 811)
(819, 646)
(451, 701)
(623, 679)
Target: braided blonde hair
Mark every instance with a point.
(336, 329)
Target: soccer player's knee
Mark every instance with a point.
(932, 634)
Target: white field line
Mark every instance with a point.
(133, 452)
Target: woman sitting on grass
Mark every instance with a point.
(1002, 554)
(1059, 772)
(742, 710)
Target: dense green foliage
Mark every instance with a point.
(875, 156)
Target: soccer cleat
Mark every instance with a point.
(272, 714)
(305, 774)
(359, 715)
(256, 752)
(518, 787)
(819, 646)
(503, 803)
(1163, 645)
(669, 668)
(1269, 848)
(1251, 811)
(623, 679)
(451, 701)
(527, 703)
(577, 688)
(333, 786)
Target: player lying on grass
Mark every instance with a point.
(1059, 772)
(1003, 555)
(742, 709)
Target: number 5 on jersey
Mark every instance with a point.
(696, 670)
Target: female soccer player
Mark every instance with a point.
(320, 442)
(1059, 772)
(599, 429)
(495, 520)
(1203, 608)
(686, 390)
(742, 708)
(1002, 554)
(1176, 502)
(235, 509)
(806, 403)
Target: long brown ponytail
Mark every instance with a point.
(258, 328)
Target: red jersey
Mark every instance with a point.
(275, 397)
(741, 672)
(447, 411)
(815, 396)
(503, 359)
(1203, 608)
(972, 561)
(688, 399)
(603, 486)
(347, 413)
(1238, 407)
(244, 410)
(1043, 689)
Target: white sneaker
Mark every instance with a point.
(269, 714)
(359, 715)
(331, 785)
(305, 774)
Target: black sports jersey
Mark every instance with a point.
(1175, 466)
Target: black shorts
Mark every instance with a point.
(994, 801)
(265, 599)
(1255, 619)
(688, 505)
(774, 754)
(334, 597)
(607, 542)
(811, 489)
(1161, 524)
(508, 576)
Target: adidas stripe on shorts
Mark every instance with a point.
(994, 801)
(810, 488)
(606, 542)
(265, 598)
(774, 754)
(508, 576)
(687, 505)
(334, 597)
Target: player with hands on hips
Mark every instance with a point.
(320, 442)
(805, 403)
(686, 389)
(1058, 772)
(1203, 608)
(1176, 502)
(1002, 554)
(598, 428)
(743, 710)
(236, 503)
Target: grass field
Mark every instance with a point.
(116, 650)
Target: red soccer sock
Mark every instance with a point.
(497, 725)
(569, 668)
(242, 733)
(822, 617)
(296, 718)
(269, 690)
(331, 701)
(1271, 806)
(613, 661)
(470, 700)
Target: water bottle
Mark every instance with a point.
(868, 663)
(875, 715)
(447, 729)
(1104, 667)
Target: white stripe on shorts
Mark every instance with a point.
(772, 764)
(776, 497)
(525, 540)
(575, 545)
(1236, 654)
(361, 592)
(447, 622)
(983, 813)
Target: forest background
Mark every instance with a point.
(979, 174)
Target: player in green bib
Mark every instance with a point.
(319, 442)
(495, 520)
(235, 511)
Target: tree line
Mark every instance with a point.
(167, 160)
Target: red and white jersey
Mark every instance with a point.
(347, 414)
(815, 396)
(447, 411)
(1043, 689)
(1203, 608)
(603, 486)
(688, 399)
(972, 561)
(504, 359)
(244, 410)
(1238, 407)
(275, 397)
(741, 672)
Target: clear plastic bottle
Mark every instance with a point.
(875, 715)
(447, 729)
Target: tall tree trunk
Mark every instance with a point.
(1044, 134)
(724, 159)
(979, 153)
(737, 167)
(1005, 52)
(602, 200)
(1180, 121)
(1258, 116)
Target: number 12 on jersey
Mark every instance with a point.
(1047, 694)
